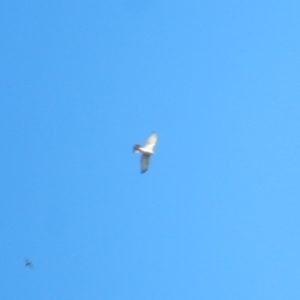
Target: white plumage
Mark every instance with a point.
(146, 150)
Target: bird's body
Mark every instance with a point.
(146, 150)
(28, 263)
(140, 149)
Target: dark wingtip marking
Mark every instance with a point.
(136, 147)
(143, 171)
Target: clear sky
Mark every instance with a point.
(216, 216)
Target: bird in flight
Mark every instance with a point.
(28, 263)
(146, 150)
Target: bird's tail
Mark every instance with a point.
(136, 148)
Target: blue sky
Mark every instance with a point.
(216, 216)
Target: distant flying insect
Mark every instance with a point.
(28, 263)
(146, 150)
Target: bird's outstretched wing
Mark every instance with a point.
(144, 162)
(151, 141)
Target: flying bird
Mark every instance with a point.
(28, 263)
(146, 150)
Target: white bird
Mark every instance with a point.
(146, 150)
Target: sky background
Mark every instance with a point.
(216, 216)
